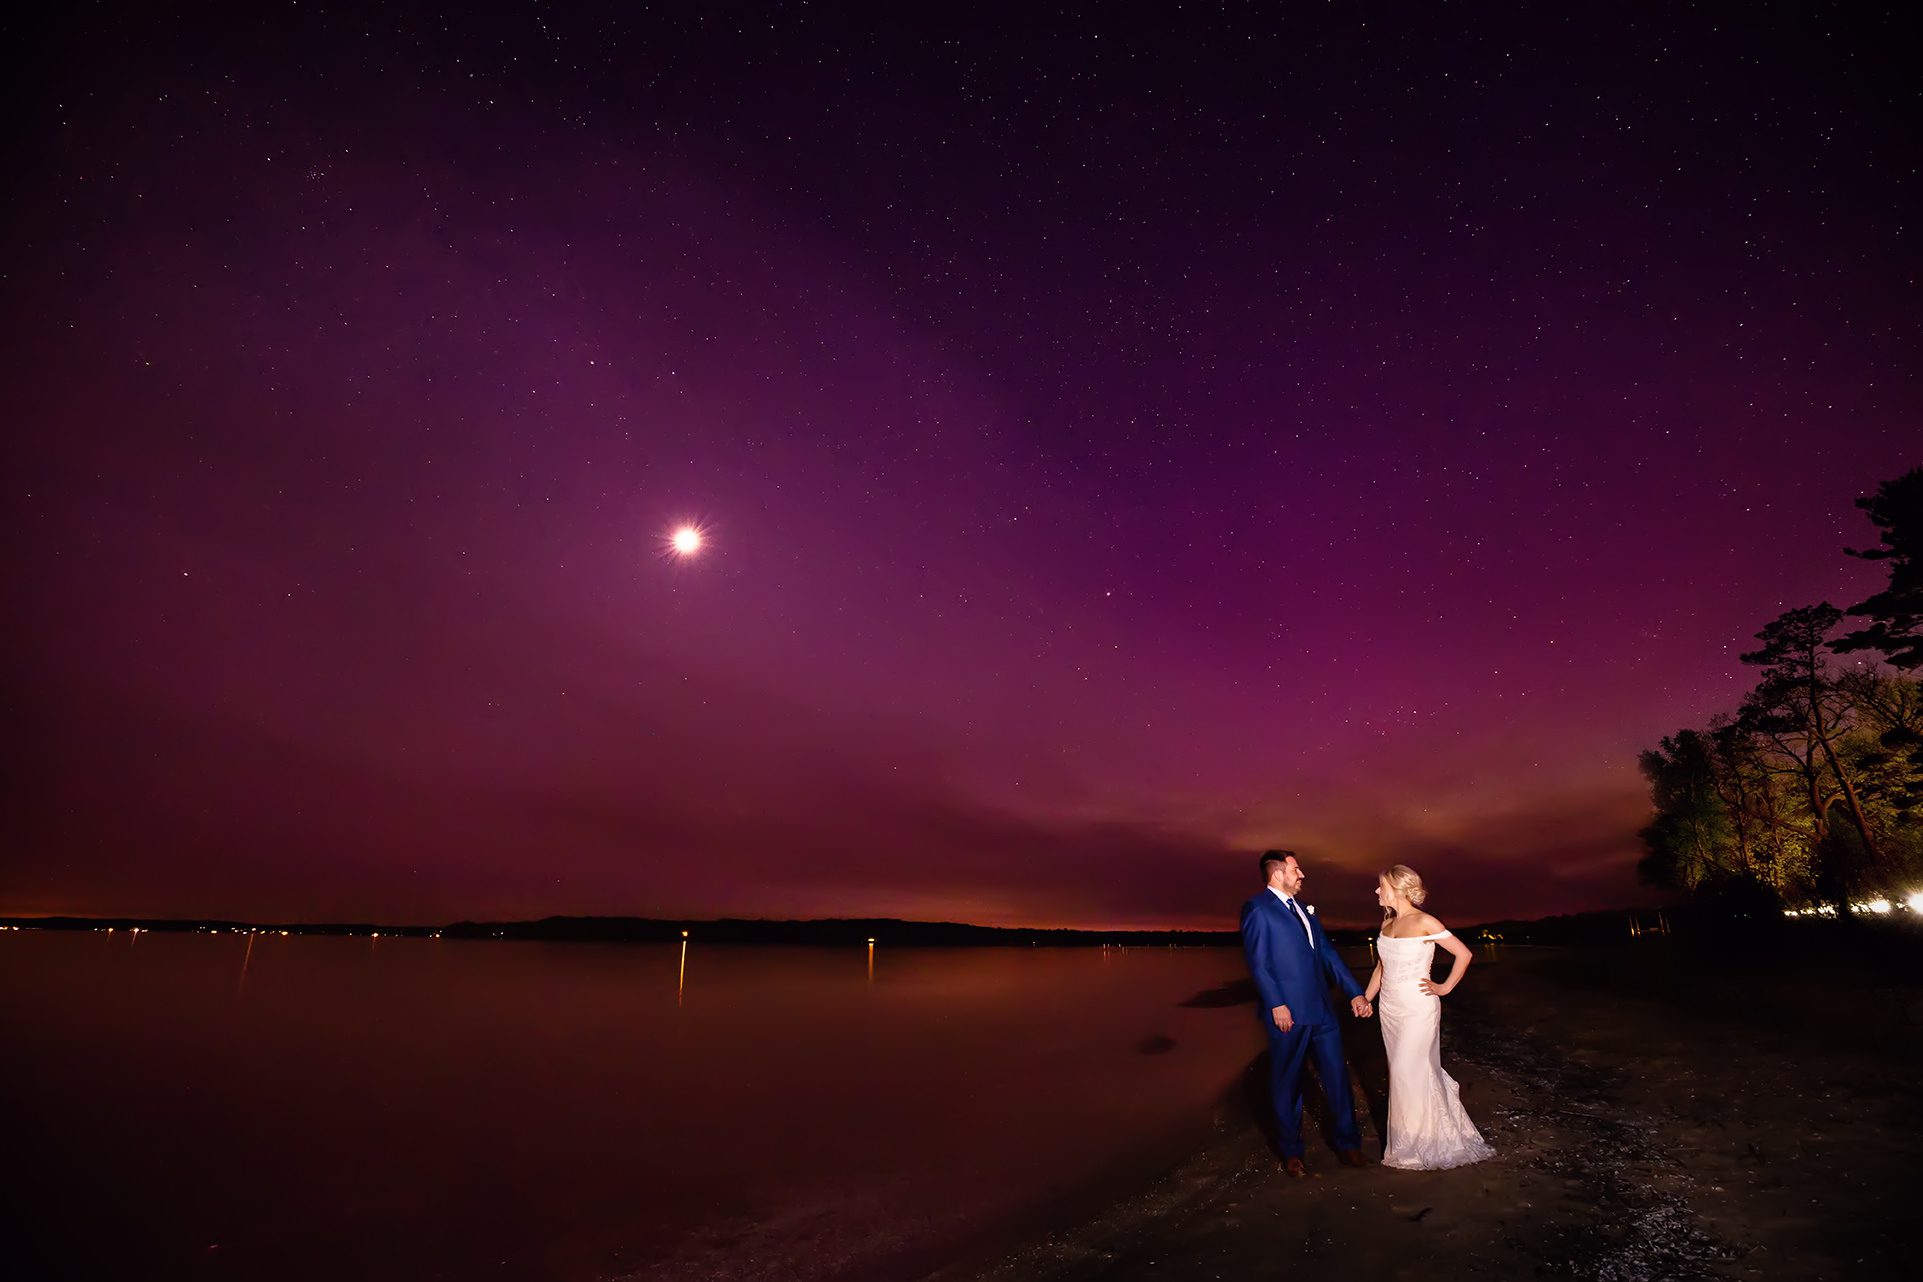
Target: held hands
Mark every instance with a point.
(1284, 1021)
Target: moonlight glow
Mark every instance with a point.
(686, 540)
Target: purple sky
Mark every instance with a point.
(1121, 449)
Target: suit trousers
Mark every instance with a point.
(1290, 1054)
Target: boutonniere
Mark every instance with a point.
(1311, 910)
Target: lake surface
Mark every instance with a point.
(305, 1107)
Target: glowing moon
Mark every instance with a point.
(687, 540)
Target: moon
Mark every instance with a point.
(686, 540)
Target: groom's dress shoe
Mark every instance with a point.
(1295, 1168)
(1353, 1157)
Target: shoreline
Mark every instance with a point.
(1655, 1115)
(1597, 927)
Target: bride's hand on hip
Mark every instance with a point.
(1430, 988)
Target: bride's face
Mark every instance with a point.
(1383, 895)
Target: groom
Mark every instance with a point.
(1292, 961)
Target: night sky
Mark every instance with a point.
(1119, 448)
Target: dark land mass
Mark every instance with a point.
(827, 932)
(1583, 928)
(207, 925)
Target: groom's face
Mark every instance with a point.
(1290, 877)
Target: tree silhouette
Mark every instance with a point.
(1895, 613)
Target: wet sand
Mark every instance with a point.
(1743, 1107)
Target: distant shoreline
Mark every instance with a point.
(1581, 928)
(826, 932)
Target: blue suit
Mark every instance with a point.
(1292, 971)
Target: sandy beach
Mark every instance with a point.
(1734, 1107)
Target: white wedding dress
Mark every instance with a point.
(1428, 1130)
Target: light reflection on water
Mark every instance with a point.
(313, 1107)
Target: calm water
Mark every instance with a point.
(180, 1106)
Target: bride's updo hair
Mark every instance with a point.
(1403, 880)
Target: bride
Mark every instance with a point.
(1427, 1128)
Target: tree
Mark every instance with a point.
(1800, 708)
(1895, 613)
(1689, 843)
(1772, 843)
(1886, 756)
(1815, 787)
(1890, 710)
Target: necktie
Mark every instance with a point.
(1290, 905)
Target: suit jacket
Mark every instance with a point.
(1288, 969)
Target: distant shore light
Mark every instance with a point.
(687, 540)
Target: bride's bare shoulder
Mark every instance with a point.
(1412, 925)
